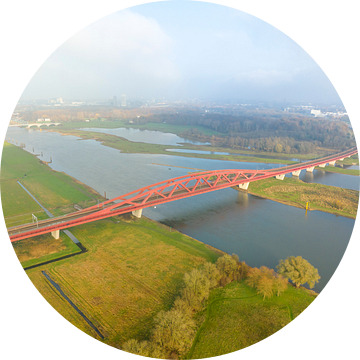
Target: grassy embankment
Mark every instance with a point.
(55, 191)
(125, 145)
(236, 317)
(297, 193)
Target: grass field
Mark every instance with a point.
(55, 191)
(236, 317)
(297, 193)
(18, 205)
(43, 248)
(132, 270)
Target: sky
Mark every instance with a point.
(181, 50)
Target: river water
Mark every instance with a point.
(260, 231)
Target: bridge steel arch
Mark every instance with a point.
(165, 191)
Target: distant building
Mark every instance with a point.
(113, 101)
(123, 100)
(316, 113)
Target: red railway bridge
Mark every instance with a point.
(166, 191)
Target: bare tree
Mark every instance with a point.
(197, 287)
(227, 266)
(212, 273)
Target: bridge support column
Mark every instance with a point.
(280, 177)
(296, 173)
(244, 186)
(310, 169)
(56, 234)
(342, 159)
(332, 163)
(137, 213)
(322, 165)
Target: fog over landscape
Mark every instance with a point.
(178, 50)
(101, 103)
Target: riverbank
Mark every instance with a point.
(297, 193)
(339, 170)
(56, 191)
(126, 146)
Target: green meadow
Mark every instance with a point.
(236, 317)
(55, 191)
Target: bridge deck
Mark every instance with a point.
(162, 192)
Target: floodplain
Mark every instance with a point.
(126, 146)
(294, 192)
(132, 268)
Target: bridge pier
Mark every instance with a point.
(280, 177)
(322, 165)
(332, 163)
(310, 169)
(244, 186)
(296, 173)
(56, 234)
(137, 213)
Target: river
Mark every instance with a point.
(260, 231)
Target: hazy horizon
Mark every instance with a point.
(182, 50)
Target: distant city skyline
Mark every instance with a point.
(182, 50)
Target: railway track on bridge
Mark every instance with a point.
(166, 191)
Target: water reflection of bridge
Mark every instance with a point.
(169, 190)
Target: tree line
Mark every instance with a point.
(269, 131)
(174, 330)
(290, 134)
